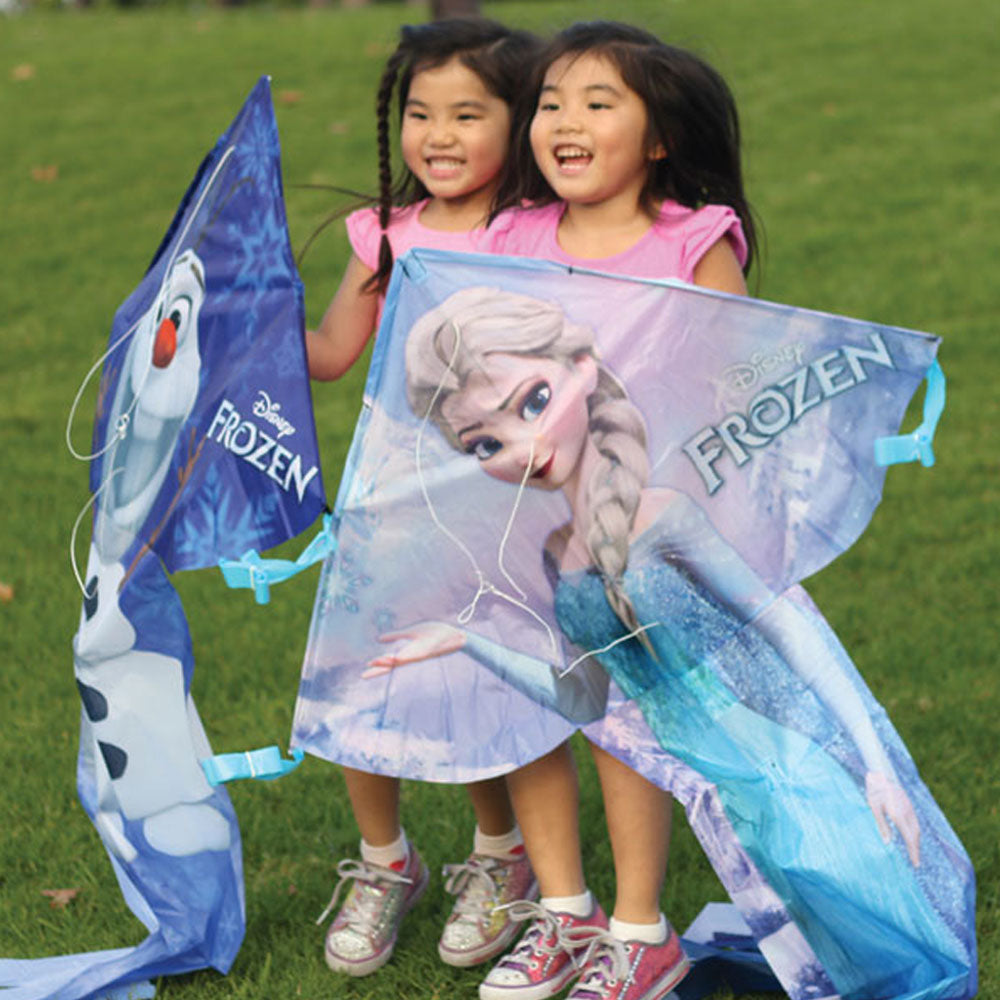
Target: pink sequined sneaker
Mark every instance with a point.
(547, 958)
(480, 927)
(363, 934)
(631, 970)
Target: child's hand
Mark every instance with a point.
(423, 641)
(889, 802)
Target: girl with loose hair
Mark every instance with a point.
(631, 163)
(455, 85)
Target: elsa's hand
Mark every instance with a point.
(890, 803)
(422, 641)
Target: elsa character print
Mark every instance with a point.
(642, 579)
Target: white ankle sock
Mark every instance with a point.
(395, 854)
(647, 933)
(497, 846)
(580, 906)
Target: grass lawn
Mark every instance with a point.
(869, 132)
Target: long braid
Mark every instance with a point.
(383, 106)
(615, 488)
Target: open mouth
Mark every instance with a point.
(443, 166)
(572, 159)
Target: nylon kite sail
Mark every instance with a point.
(580, 500)
(203, 447)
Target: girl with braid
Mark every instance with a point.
(455, 84)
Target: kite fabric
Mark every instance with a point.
(577, 500)
(204, 446)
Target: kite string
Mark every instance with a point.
(483, 585)
(510, 521)
(123, 421)
(603, 649)
(76, 527)
(121, 427)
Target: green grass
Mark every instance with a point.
(869, 131)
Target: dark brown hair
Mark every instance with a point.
(691, 114)
(496, 54)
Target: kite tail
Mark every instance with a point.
(172, 838)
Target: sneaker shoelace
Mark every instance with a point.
(545, 925)
(605, 962)
(472, 883)
(363, 913)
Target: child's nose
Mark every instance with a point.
(441, 134)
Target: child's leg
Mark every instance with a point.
(638, 938)
(375, 802)
(546, 802)
(495, 874)
(381, 888)
(491, 803)
(638, 817)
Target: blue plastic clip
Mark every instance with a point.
(264, 764)
(917, 446)
(252, 572)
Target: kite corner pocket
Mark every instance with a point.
(917, 445)
(251, 572)
(265, 764)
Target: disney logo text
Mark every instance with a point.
(270, 412)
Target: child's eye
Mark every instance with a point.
(548, 106)
(483, 448)
(598, 106)
(418, 115)
(535, 401)
(469, 118)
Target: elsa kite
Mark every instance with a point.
(819, 794)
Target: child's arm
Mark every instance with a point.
(346, 326)
(719, 269)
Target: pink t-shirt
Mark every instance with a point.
(671, 248)
(405, 231)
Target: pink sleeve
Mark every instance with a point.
(711, 223)
(496, 239)
(365, 235)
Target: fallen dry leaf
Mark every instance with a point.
(290, 96)
(24, 71)
(45, 174)
(60, 898)
(6, 593)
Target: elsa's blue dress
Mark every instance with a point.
(879, 926)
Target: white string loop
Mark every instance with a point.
(122, 424)
(483, 585)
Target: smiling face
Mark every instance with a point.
(521, 413)
(589, 132)
(455, 135)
